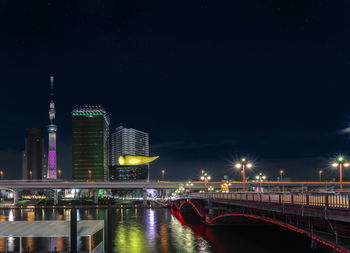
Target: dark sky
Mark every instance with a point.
(210, 80)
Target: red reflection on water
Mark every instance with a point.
(200, 230)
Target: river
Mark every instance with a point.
(162, 230)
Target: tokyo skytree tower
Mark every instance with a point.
(52, 129)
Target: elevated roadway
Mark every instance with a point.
(197, 185)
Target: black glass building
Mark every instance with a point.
(33, 155)
(90, 139)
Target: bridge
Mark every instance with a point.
(324, 217)
(197, 185)
(235, 186)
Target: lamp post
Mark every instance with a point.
(90, 172)
(181, 189)
(260, 177)
(340, 162)
(163, 172)
(281, 175)
(30, 175)
(210, 188)
(2, 175)
(205, 178)
(243, 163)
(320, 174)
(189, 184)
(59, 173)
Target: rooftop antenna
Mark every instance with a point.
(51, 81)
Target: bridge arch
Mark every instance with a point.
(284, 225)
(254, 217)
(183, 204)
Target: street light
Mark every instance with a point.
(243, 163)
(320, 174)
(281, 175)
(30, 175)
(2, 175)
(59, 173)
(181, 189)
(210, 188)
(260, 177)
(205, 178)
(90, 174)
(340, 162)
(189, 184)
(163, 172)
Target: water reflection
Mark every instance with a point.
(184, 237)
(2, 244)
(130, 238)
(156, 230)
(151, 227)
(164, 238)
(29, 244)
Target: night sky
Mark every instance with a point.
(210, 80)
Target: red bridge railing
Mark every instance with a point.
(327, 200)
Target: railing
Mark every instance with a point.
(328, 200)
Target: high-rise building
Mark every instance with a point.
(33, 155)
(90, 139)
(52, 129)
(128, 141)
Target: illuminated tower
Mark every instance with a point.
(52, 129)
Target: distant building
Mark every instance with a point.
(33, 156)
(90, 139)
(128, 141)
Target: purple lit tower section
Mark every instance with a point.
(52, 129)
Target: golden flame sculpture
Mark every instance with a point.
(135, 159)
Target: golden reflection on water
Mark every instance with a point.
(29, 244)
(31, 216)
(60, 243)
(130, 238)
(2, 244)
(164, 238)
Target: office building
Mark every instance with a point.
(90, 143)
(33, 155)
(128, 141)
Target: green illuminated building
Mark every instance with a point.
(90, 133)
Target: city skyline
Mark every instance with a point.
(327, 168)
(262, 80)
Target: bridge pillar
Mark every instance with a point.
(95, 196)
(15, 197)
(55, 197)
(210, 208)
(144, 197)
